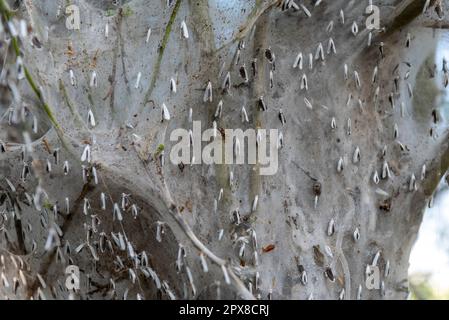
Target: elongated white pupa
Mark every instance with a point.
(356, 156)
(94, 174)
(387, 269)
(93, 80)
(304, 83)
(148, 35)
(376, 259)
(310, 61)
(204, 263)
(165, 114)
(159, 230)
(139, 76)
(225, 274)
(356, 234)
(106, 30)
(67, 205)
(333, 123)
(306, 11)
(219, 109)
(215, 130)
(86, 206)
(72, 77)
(244, 115)
(52, 239)
(375, 72)
(226, 86)
(5, 281)
(134, 210)
(357, 79)
(208, 92)
(117, 214)
(34, 126)
(190, 116)
(48, 166)
(341, 296)
(423, 172)
(426, 6)
(340, 165)
(395, 131)
(237, 146)
(231, 178)
(376, 179)
(386, 174)
(103, 201)
(298, 61)
(412, 184)
(355, 28)
(185, 31)
(359, 292)
(280, 141)
(331, 227)
(328, 251)
(172, 85)
(86, 154)
(331, 47)
(342, 16)
(91, 118)
(308, 104)
(330, 26)
(255, 203)
(345, 67)
(319, 54)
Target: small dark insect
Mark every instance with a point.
(317, 188)
(269, 55)
(36, 42)
(318, 256)
(181, 166)
(262, 105)
(329, 274)
(381, 49)
(243, 73)
(282, 117)
(268, 248)
(435, 116)
(439, 9)
(385, 205)
(254, 66)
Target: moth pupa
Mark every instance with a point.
(148, 35)
(244, 115)
(331, 47)
(93, 80)
(356, 156)
(208, 92)
(340, 165)
(355, 28)
(139, 76)
(356, 234)
(331, 227)
(185, 31)
(172, 85)
(165, 114)
(298, 61)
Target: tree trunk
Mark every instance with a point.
(358, 150)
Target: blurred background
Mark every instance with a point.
(429, 260)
